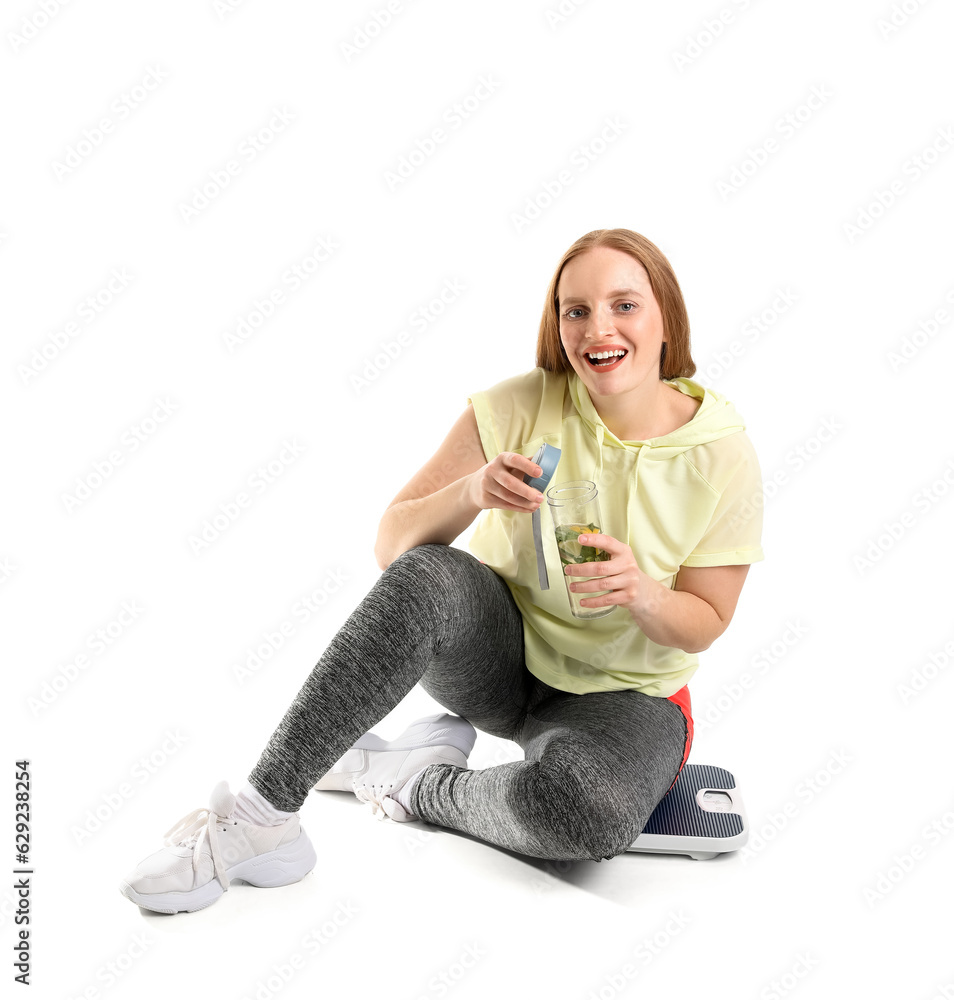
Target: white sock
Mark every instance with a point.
(403, 794)
(252, 807)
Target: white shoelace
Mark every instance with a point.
(372, 800)
(191, 831)
(383, 806)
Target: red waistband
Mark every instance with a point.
(681, 698)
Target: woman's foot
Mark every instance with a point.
(380, 771)
(208, 848)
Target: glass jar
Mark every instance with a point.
(575, 510)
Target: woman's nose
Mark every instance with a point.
(599, 324)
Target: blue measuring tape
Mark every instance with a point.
(547, 458)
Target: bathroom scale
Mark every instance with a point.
(701, 815)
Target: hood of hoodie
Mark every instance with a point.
(716, 418)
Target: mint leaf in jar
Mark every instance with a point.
(571, 551)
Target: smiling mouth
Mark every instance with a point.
(605, 360)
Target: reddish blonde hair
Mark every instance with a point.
(675, 357)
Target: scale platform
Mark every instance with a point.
(702, 815)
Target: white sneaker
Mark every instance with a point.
(208, 848)
(375, 768)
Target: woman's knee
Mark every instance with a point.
(427, 564)
(452, 578)
(610, 827)
(434, 558)
(587, 823)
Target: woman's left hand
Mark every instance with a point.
(630, 587)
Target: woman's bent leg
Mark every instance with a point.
(435, 615)
(596, 767)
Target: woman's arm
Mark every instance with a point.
(447, 493)
(696, 611)
(691, 616)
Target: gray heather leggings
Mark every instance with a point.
(595, 766)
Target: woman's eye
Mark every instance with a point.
(570, 312)
(631, 304)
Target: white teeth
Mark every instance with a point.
(606, 354)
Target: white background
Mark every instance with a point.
(845, 216)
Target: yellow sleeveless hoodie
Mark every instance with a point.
(689, 498)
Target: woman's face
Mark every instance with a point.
(606, 304)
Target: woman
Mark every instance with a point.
(600, 707)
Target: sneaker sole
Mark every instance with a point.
(460, 738)
(288, 864)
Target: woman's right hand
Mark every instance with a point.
(499, 484)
